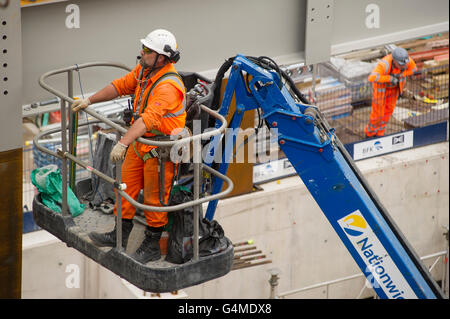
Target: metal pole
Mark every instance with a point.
(314, 75)
(119, 204)
(445, 266)
(91, 149)
(273, 281)
(73, 132)
(119, 208)
(64, 207)
(70, 93)
(196, 159)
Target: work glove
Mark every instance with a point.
(80, 104)
(393, 79)
(118, 152)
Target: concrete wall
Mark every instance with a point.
(286, 223)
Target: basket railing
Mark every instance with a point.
(65, 155)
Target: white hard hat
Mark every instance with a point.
(163, 42)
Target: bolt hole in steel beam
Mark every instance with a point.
(319, 25)
(5, 64)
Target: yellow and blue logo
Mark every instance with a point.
(354, 225)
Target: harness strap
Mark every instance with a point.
(153, 153)
(150, 154)
(167, 76)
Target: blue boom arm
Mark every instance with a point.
(352, 208)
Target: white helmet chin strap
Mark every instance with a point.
(147, 66)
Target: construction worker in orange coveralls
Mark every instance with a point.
(159, 109)
(389, 78)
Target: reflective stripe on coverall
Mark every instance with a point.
(385, 93)
(164, 112)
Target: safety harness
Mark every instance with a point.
(161, 153)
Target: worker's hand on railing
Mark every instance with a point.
(118, 152)
(393, 80)
(80, 104)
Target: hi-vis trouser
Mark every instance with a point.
(384, 99)
(141, 170)
(138, 174)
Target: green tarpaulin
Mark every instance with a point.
(48, 181)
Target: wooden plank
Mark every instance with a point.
(422, 42)
(437, 44)
(245, 265)
(443, 57)
(250, 253)
(427, 55)
(237, 250)
(433, 63)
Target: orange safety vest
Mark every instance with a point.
(160, 100)
(380, 75)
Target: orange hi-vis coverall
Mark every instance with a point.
(385, 93)
(164, 112)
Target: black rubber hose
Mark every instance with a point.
(218, 82)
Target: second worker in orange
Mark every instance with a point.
(388, 78)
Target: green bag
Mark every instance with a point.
(48, 181)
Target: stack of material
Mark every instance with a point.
(364, 55)
(429, 87)
(429, 52)
(435, 77)
(246, 255)
(353, 74)
(435, 86)
(430, 98)
(432, 57)
(424, 44)
(438, 56)
(305, 82)
(332, 98)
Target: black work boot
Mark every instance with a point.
(149, 249)
(109, 239)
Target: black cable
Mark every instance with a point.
(266, 63)
(218, 82)
(282, 74)
(91, 157)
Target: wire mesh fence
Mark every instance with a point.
(347, 103)
(351, 106)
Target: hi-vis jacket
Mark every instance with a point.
(159, 100)
(385, 68)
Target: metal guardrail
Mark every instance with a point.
(64, 155)
(442, 255)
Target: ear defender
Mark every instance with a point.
(174, 55)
